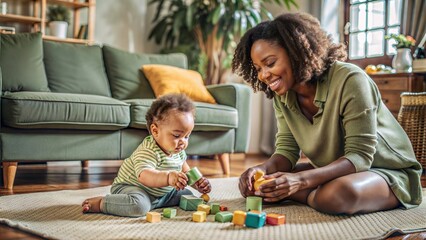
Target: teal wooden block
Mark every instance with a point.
(190, 202)
(223, 217)
(169, 212)
(253, 203)
(255, 220)
(214, 208)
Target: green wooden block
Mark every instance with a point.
(214, 208)
(190, 202)
(169, 212)
(253, 203)
(193, 175)
(223, 217)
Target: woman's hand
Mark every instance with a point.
(177, 179)
(246, 181)
(203, 185)
(284, 185)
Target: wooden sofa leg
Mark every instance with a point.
(224, 162)
(85, 164)
(9, 173)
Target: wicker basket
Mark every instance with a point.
(412, 117)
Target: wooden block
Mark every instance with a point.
(205, 208)
(260, 182)
(223, 217)
(169, 212)
(239, 218)
(214, 208)
(223, 208)
(253, 203)
(255, 220)
(199, 216)
(153, 217)
(275, 219)
(190, 202)
(205, 197)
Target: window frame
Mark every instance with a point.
(363, 62)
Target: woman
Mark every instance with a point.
(361, 159)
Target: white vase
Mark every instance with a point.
(402, 61)
(58, 29)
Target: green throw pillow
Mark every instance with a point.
(21, 62)
(124, 75)
(75, 68)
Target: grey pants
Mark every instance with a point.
(132, 201)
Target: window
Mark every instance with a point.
(367, 23)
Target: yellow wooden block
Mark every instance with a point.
(239, 218)
(205, 208)
(258, 175)
(205, 197)
(261, 181)
(153, 217)
(199, 216)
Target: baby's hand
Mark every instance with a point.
(178, 180)
(203, 185)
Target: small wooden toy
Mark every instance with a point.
(189, 202)
(205, 208)
(193, 175)
(223, 217)
(214, 208)
(239, 218)
(275, 219)
(255, 220)
(169, 212)
(205, 197)
(253, 203)
(223, 208)
(199, 216)
(259, 180)
(153, 217)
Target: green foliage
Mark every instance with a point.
(58, 13)
(194, 22)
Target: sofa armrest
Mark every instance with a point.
(238, 96)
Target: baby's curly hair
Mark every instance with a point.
(310, 49)
(161, 107)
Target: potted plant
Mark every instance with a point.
(402, 61)
(59, 18)
(213, 25)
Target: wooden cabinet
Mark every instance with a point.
(392, 85)
(38, 21)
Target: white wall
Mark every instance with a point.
(125, 24)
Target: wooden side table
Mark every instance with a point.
(391, 85)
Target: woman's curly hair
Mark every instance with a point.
(310, 49)
(163, 105)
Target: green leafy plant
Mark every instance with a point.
(213, 25)
(401, 40)
(58, 13)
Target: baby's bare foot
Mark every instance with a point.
(92, 205)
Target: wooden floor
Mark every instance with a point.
(42, 178)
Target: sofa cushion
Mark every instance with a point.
(21, 61)
(75, 68)
(125, 78)
(63, 111)
(168, 79)
(208, 117)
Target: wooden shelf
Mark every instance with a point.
(19, 18)
(69, 40)
(74, 5)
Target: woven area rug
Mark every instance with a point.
(57, 215)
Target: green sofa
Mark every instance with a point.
(72, 102)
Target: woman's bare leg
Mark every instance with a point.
(361, 192)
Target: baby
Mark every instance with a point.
(154, 175)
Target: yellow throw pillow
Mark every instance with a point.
(168, 79)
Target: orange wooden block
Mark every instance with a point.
(275, 219)
(153, 217)
(239, 218)
(223, 208)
